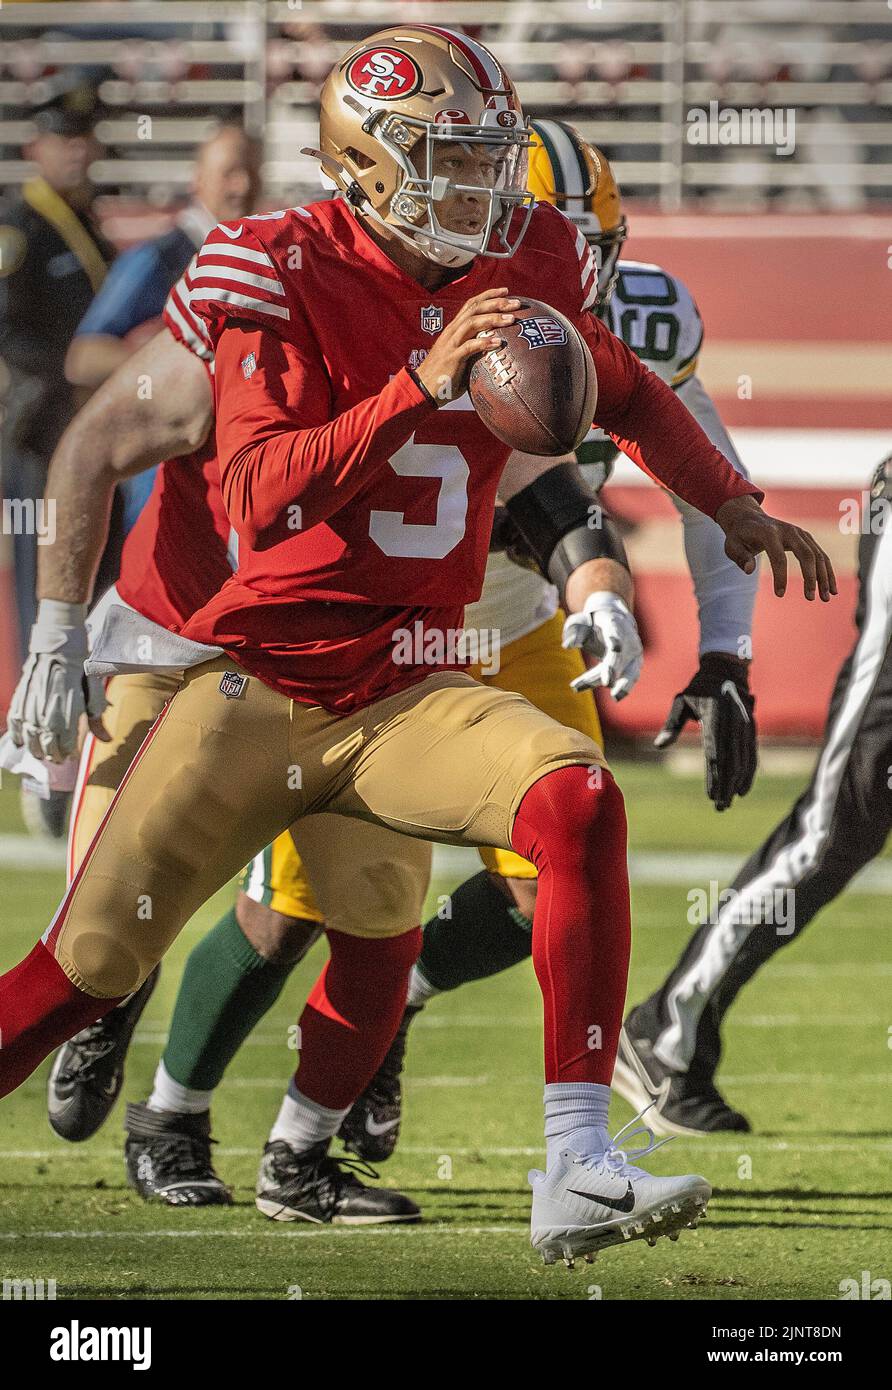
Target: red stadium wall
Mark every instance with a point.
(797, 645)
(798, 357)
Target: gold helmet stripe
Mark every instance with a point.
(486, 69)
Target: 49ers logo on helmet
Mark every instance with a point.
(384, 72)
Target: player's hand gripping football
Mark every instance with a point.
(719, 699)
(475, 329)
(53, 691)
(748, 531)
(606, 628)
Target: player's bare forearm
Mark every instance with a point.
(82, 502)
(92, 357)
(157, 405)
(598, 576)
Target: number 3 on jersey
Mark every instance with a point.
(434, 540)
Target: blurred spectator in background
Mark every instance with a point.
(53, 259)
(127, 310)
(225, 186)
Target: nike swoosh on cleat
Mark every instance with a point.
(375, 1128)
(625, 1203)
(729, 688)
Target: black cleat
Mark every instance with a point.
(311, 1186)
(680, 1103)
(168, 1158)
(371, 1127)
(88, 1072)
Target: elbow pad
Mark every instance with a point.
(560, 523)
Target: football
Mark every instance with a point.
(537, 392)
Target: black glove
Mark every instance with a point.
(719, 699)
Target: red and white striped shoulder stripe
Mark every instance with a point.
(185, 325)
(588, 270)
(233, 271)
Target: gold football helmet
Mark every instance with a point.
(576, 177)
(396, 98)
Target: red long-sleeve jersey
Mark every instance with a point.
(361, 508)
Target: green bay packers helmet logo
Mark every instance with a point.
(384, 72)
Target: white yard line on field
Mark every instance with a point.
(451, 861)
(23, 852)
(280, 1231)
(418, 1083)
(277, 1038)
(756, 1142)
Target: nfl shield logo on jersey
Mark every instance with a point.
(249, 365)
(232, 684)
(432, 319)
(543, 332)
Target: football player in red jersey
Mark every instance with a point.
(295, 704)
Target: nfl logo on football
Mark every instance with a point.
(543, 332)
(432, 319)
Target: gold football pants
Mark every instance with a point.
(221, 775)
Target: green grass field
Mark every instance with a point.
(799, 1206)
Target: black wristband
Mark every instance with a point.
(420, 384)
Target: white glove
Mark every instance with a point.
(53, 691)
(606, 627)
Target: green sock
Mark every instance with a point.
(485, 934)
(226, 989)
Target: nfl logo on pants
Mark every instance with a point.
(232, 684)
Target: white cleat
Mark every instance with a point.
(582, 1205)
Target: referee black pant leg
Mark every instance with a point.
(838, 825)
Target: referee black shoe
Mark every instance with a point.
(679, 1103)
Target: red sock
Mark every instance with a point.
(572, 825)
(39, 1009)
(352, 1015)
